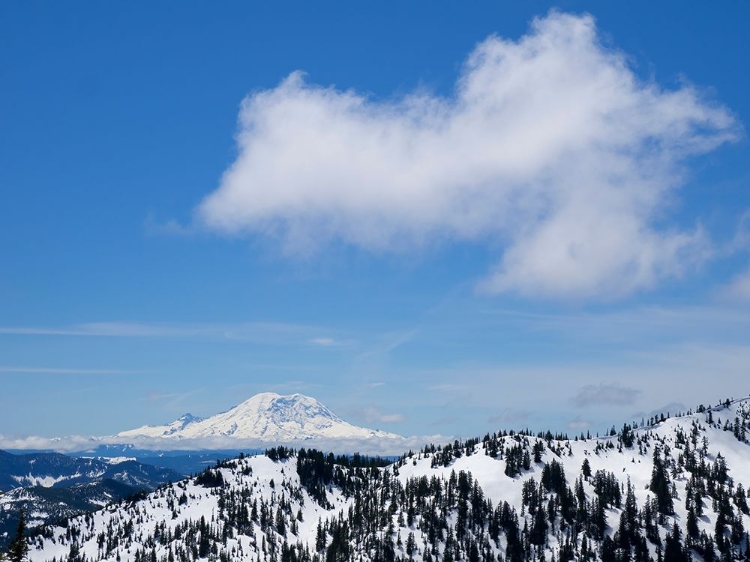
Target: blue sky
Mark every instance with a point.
(434, 220)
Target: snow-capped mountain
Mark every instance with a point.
(671, 489)
(266, 417)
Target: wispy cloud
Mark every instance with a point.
(550, 145)
(171, 399)
(450, 387)
(738, 288)
(578, 424)
(323, 342)
(611, 394)
(389, 342)
(258, 332)
(65, 371)
(116, 329)
(170, 227)
(330, 342)
(642, 324)
(293, 386)
(510, 417)
(688, 371)
(374, 415)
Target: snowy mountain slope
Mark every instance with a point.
(168, 430)
(267, 417)
(670, 491)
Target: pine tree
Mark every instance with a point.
(18, 549)
(741, 500)
(320, 538)
(586, 468)
(692, 525)
(661, 486)
(526, 460)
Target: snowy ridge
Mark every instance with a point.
(632, 496)
(266, 417)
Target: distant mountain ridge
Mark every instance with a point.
(267, 417)
(49, 470)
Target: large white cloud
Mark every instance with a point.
(550, 148)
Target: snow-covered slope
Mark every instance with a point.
(671, 490)
(266, 417)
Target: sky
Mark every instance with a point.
(436, 220)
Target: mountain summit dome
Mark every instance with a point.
(267, 417)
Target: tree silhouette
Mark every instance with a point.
(18, 549)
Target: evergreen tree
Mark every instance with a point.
(692, 525)
(586, 468)
(608, 553)
(18, 549)
(661, 486)
(673, 551)
(741, 500)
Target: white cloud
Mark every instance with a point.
(373, 415)
(78, 443)
(605, 394)
(549, 146)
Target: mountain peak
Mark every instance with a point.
(267, 416)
